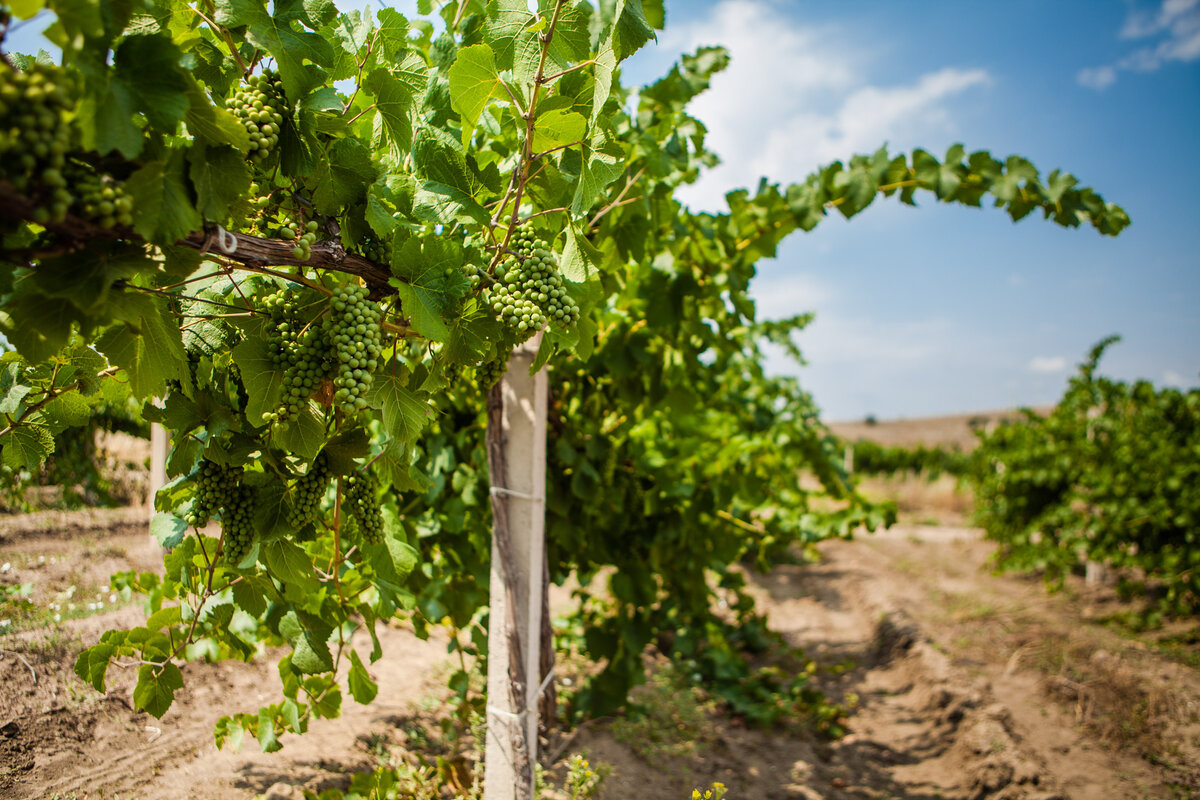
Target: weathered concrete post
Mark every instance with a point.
(516, 443)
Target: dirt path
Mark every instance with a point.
(967, 686)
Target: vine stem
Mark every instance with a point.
(884, 188)
(249, 251)
(358, 79)
(224, 33)
(50, 395)
(521, 171)
(619, 201)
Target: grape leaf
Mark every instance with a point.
(437, 202)
(168, 530)
(630, 29)
(473, 81)
(160, 194)
(92, 664)
(13, 392)
(68, 410)
(310, 648)
(289, 563)
(213, 125)
(393, 103)
(108, 121)
(470, 337)
(220, 176)
(155, 689)
(603, 68)
(275, 34)
(362, 688)
(38, 326)
(26, 445)
(342, 176)
(148, 346)
(603, 164)
(558, 128)
(505, 21)
(579, 258)
(303, 435)
(265, 731)
(438, 157)
(149, 67)
(260, 375)
(404, 414)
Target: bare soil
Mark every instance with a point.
(963, 684)
(955, 431)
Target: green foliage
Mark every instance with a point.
(872, 458)
(1110, 475)
(316, 256)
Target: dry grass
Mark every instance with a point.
(941, 501)
(1111, 697)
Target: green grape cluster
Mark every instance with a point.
(489, 373)
(299, 348)
(473, 275)
(261, 107)
(530, 292)
(377, 251)
(237, 524)
(355, 333)
(34, 134)
(363, 507)
(215, 487)
(303, 234)
(310, 490)
(100, 198)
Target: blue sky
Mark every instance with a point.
(942, 309)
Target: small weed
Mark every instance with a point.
(583, 781)
(715, 792)
(670, 719)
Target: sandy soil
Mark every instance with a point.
(967, 685)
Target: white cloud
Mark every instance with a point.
(797, 293)
(1097, 78)
(837, 339)
(1173, 378)
(795, 99)
(1172, 33)
(1047, 364)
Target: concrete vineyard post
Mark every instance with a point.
(516, 444)
(160, 442)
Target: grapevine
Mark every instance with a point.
(530, 292)
(237, 524)
(363, 507)
(159, 137)
(260, 106)
(215, 487)
(309, 491)
(300, 349)
(101, 199)
(34, 135)
(354, 331)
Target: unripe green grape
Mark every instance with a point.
(354, 328)
(310, 489)
(363, 507)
